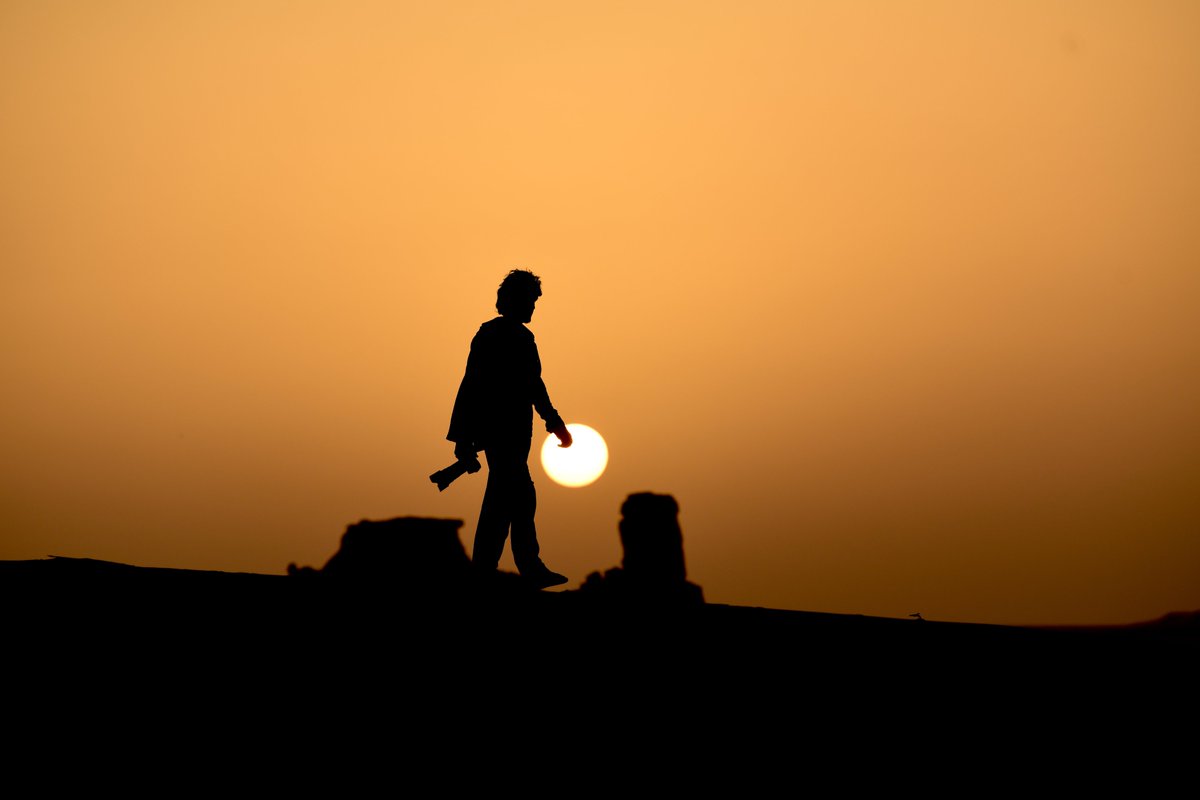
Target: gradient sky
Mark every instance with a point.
(898, 299)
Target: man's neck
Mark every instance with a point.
(512, 320)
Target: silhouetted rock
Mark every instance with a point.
(406, 553)
(653, 569)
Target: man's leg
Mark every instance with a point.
(510, 500)
(524, 507)
(494, 516)
(524, 532)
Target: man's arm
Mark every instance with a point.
(541, 402)
(464, 419)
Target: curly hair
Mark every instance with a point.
(518, 285)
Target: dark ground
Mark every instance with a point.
(97, 607)
(218, 666)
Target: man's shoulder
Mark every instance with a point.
(502, 329)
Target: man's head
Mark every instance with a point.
(517, 294)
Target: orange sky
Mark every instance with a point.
(898, 299)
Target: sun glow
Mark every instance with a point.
(581, 463)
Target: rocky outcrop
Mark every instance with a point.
(413, 554)
(652, 570)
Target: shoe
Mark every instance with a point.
(545, 578)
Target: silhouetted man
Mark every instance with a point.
(494, 413)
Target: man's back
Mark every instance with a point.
(501, 386)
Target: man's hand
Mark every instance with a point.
(564, 435)
(466, 452)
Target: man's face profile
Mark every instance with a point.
(522, 309)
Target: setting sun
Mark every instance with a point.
(581, 463)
